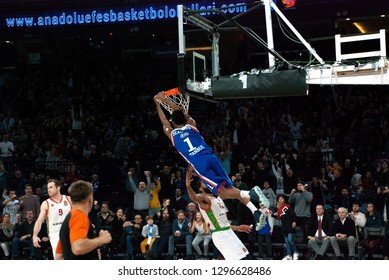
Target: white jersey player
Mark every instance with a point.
(54, 210)
(214, 212)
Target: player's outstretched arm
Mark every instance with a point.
(167, 128)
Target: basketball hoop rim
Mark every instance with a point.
(173, 91)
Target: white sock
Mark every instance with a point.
(252, 207)
(245, 194)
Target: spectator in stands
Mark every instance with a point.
(4, 177)
(18, 182)
(180, 234)
(23, 235)
(335, 186)
(38, 193)
(277, 172)
(356, 180)
(200, 229)
(238, 138)
(7, 230)
(29, 201)
(345, 200)
(270, 195)
(296, 131)
(224, 156)
(238, 183)
(301, 199)
(343, 234)
(11, 205)
(179, 183)
(6, 152)
(348, 170)
(154, 203)
(150, 233)
(104, 222)
(96, 187)
(319, 192)
(287, 217)
(265, 233)
(133, 236)
(359, 218)
(261, 173)
(373, 232)
(73, 175)
(122, 146)
(166, 186)
(383, 174)
(382, 204)
(319, 232)
(105, 217)
(191, 210)
(245, 174)
(141, 194)
(290, 180)
(324, 176)
(164, 219)
(117, 232)
(369, 190)
(77, 116)
(178, 203)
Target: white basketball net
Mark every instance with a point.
(179, 99)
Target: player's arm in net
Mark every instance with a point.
(162, 96)
(167, 128)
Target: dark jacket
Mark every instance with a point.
(287, 216)
(185, 228)
(347, 228)
(326, 225)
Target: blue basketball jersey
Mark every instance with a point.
(190, 144)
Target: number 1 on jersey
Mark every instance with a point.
(187, 141)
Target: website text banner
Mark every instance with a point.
(72, 17)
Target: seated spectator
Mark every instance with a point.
(164, 219)
(6, 234)
(343, 234)
(199, 227)
(23, 235)
(359, 218)
(373, 232)
(104, 222)
(117, 231)
(319, 232)
(150, 233)
(180, 234)
(105, 218)
(191, 210)
(133, 236)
